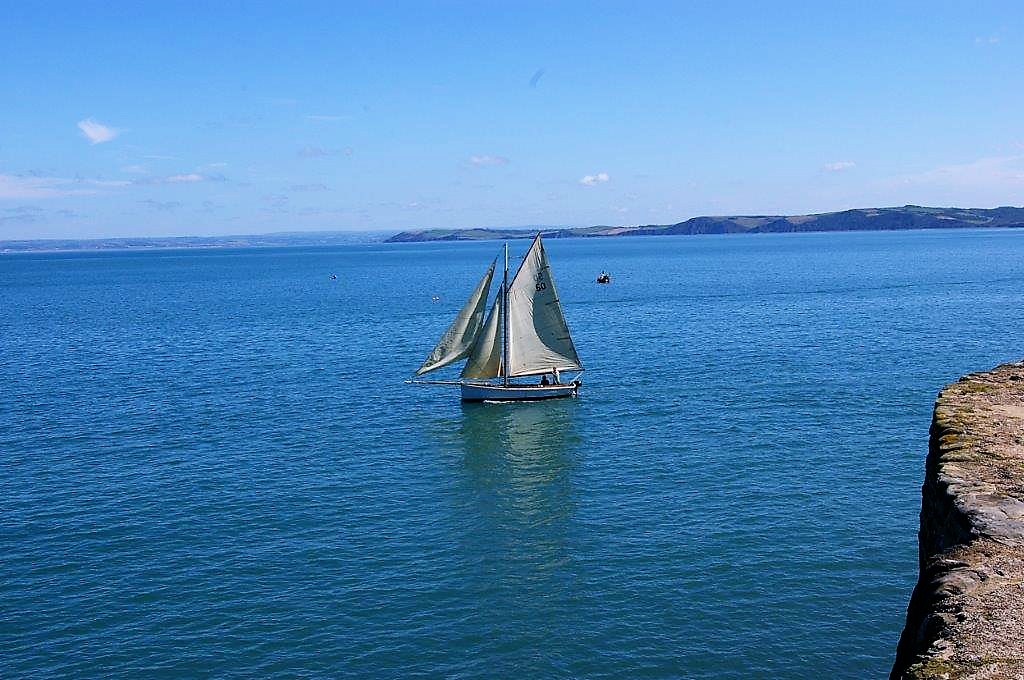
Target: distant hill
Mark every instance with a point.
(859, 219)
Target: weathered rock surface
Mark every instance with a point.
(966, 615)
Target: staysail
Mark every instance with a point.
(457, 342)
(485, 360)
(538, 336)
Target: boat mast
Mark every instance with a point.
(504, 323)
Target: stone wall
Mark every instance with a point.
(966, 614)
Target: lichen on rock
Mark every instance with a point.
(966, 615)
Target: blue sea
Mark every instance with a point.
(210, 465)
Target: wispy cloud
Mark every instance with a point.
(35, 186)
(987, 40)
(17, 187)
(313, 152)
(21, 214)
(161, 206)
(95, 132)
(992, 172)
(30, 214)
(233, 122)
(321, 152)
(308, 187)
(594, 180)
(181, 178)
(485, 160)
(325, 118)
(189, 177)
(839, 166)
(23, 209)
(32, 186)
(276, 200)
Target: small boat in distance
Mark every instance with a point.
(524, 335)
(604, 277)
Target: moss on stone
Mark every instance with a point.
(974, 387)
(948, 439)
(931, 669)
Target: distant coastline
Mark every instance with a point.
(859, 219)
(276, 240)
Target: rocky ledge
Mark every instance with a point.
(966, 615)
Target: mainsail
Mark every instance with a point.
(538, 337)
(485, 360)
(457, 342)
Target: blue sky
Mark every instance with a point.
(171, 118)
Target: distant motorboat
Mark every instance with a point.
(604, 277)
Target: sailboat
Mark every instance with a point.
(524, 335)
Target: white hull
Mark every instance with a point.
(489, 392)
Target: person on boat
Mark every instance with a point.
(554, 372)
(544, 380)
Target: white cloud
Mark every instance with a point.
(162, 206)
(21, 214)
(34, 186)
(31, 186)
(324, 118)
(13, 186)
(483, 160)
(97, 133)
(987, 40)
(181, 178)
(997, 171)
(321, 152)
(990, 181)
(839, 166)
(593, 180)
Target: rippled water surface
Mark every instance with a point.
(209, 464)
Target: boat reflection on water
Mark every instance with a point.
(519, 459)
(523, 443)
